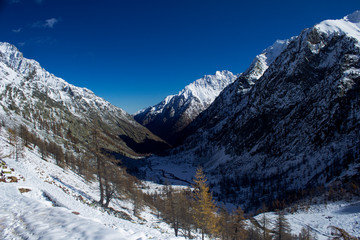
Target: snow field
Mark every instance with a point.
(320, 217)
(58, 206)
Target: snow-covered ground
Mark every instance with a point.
(58, 206)
(320, 217)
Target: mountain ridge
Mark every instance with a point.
(47, 100)
(169, 117)
(297, 126)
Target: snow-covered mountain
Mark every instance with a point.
(291, 121)
(58, 110)
(242, 85)
(175, 112)
(294, 125)
(264, 60)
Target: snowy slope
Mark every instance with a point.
(349, 26)
(320, 217)
(175, 112)
(264, 60)
(59, 205)
(227, 103)
(296, 125)
(57, 88)
(32, 96)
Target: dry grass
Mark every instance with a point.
(24, 190)
(13, 179)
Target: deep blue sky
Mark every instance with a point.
(133, 53)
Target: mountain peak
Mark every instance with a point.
(262, 61)
(5, 45)
(353, 17)
(207, 88)
(175, 112)
(9, 52)
(349, 25)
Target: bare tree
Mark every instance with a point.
(99, 163)
(24, 134)
(137, 199)
(113, 179)
(18, 147)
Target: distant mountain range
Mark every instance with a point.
(290, 122)
(168, 118)
(284, 135)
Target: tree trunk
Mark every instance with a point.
(99, 171)
(176, 231)
(107, 201)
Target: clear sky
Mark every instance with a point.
(133, 53)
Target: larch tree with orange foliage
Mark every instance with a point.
(204, 208)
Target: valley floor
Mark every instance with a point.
(60, 205)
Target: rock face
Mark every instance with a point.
(295, 125)
(225, 105)
(54, 108)
(168, 118)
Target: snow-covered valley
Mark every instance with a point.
(56, 203)
(284, 134)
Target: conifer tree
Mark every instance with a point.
(253, 233)
(225, 224)
(173, 208)
(137, 199)
(24, 134)
(282, 227)
(185, 211)
(42, 148)
(265, 222)
(307, 234)
(239, 225)
(204, 206)
(12, 136)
